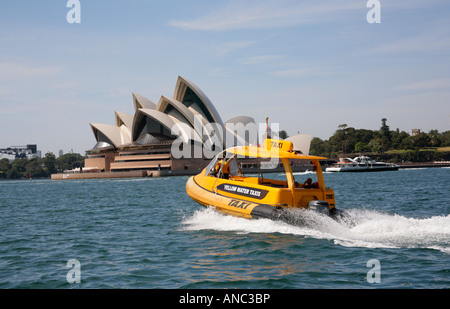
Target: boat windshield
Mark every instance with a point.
(306, 179)
(229, 166)
(216, 165)
(236, 166)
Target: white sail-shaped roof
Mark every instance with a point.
(176, 109)
(301, 142)
(125, 122)
(124, 119)
(142, 102)
(193, 97)
(155, 122)
(189, 117)
(111, 134)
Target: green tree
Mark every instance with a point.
(319, 147)
(397, 139)
(348, 139)
(360, 146)
(339, 140)
(407, 143)
(69, 161)
(384, 130)
(18, 167)
(445, 138)
(49, 161)
(376, 145)
(422, 140)
(13, 173)
(364, 135)
(434, 138)
(385, 140)
(5, 166)
(283, 134)
(33, 168)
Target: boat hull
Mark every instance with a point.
(248, 209)
(222, 185)
(230, 205)
(361, 169)
(362, 164)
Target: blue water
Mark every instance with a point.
(147, 233)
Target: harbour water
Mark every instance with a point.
(147, 233)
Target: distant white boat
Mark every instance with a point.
(361, 164)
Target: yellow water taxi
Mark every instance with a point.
(223, 185)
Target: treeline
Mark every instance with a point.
(348, 140)
(39, 167)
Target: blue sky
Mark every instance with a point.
(307, 65)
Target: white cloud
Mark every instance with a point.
(13, 70)
(230, 47)
(258, 59)
(296, 72)
(305, 72)
(267, 14)
(421, 43)
(432, 84)
(221, 71)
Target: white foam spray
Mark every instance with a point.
(361, 228)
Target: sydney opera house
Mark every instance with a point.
(178, 135)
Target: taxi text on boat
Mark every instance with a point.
(223, 185)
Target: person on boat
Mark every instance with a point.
(225, 169)
(307, 184)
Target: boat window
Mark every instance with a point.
(211, 168)
(301, 180)
(234, 166)
(248, 167)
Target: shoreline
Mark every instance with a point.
(165, 173)
(423, 165)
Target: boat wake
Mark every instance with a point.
(359, 228)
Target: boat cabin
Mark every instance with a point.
(224, 175)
